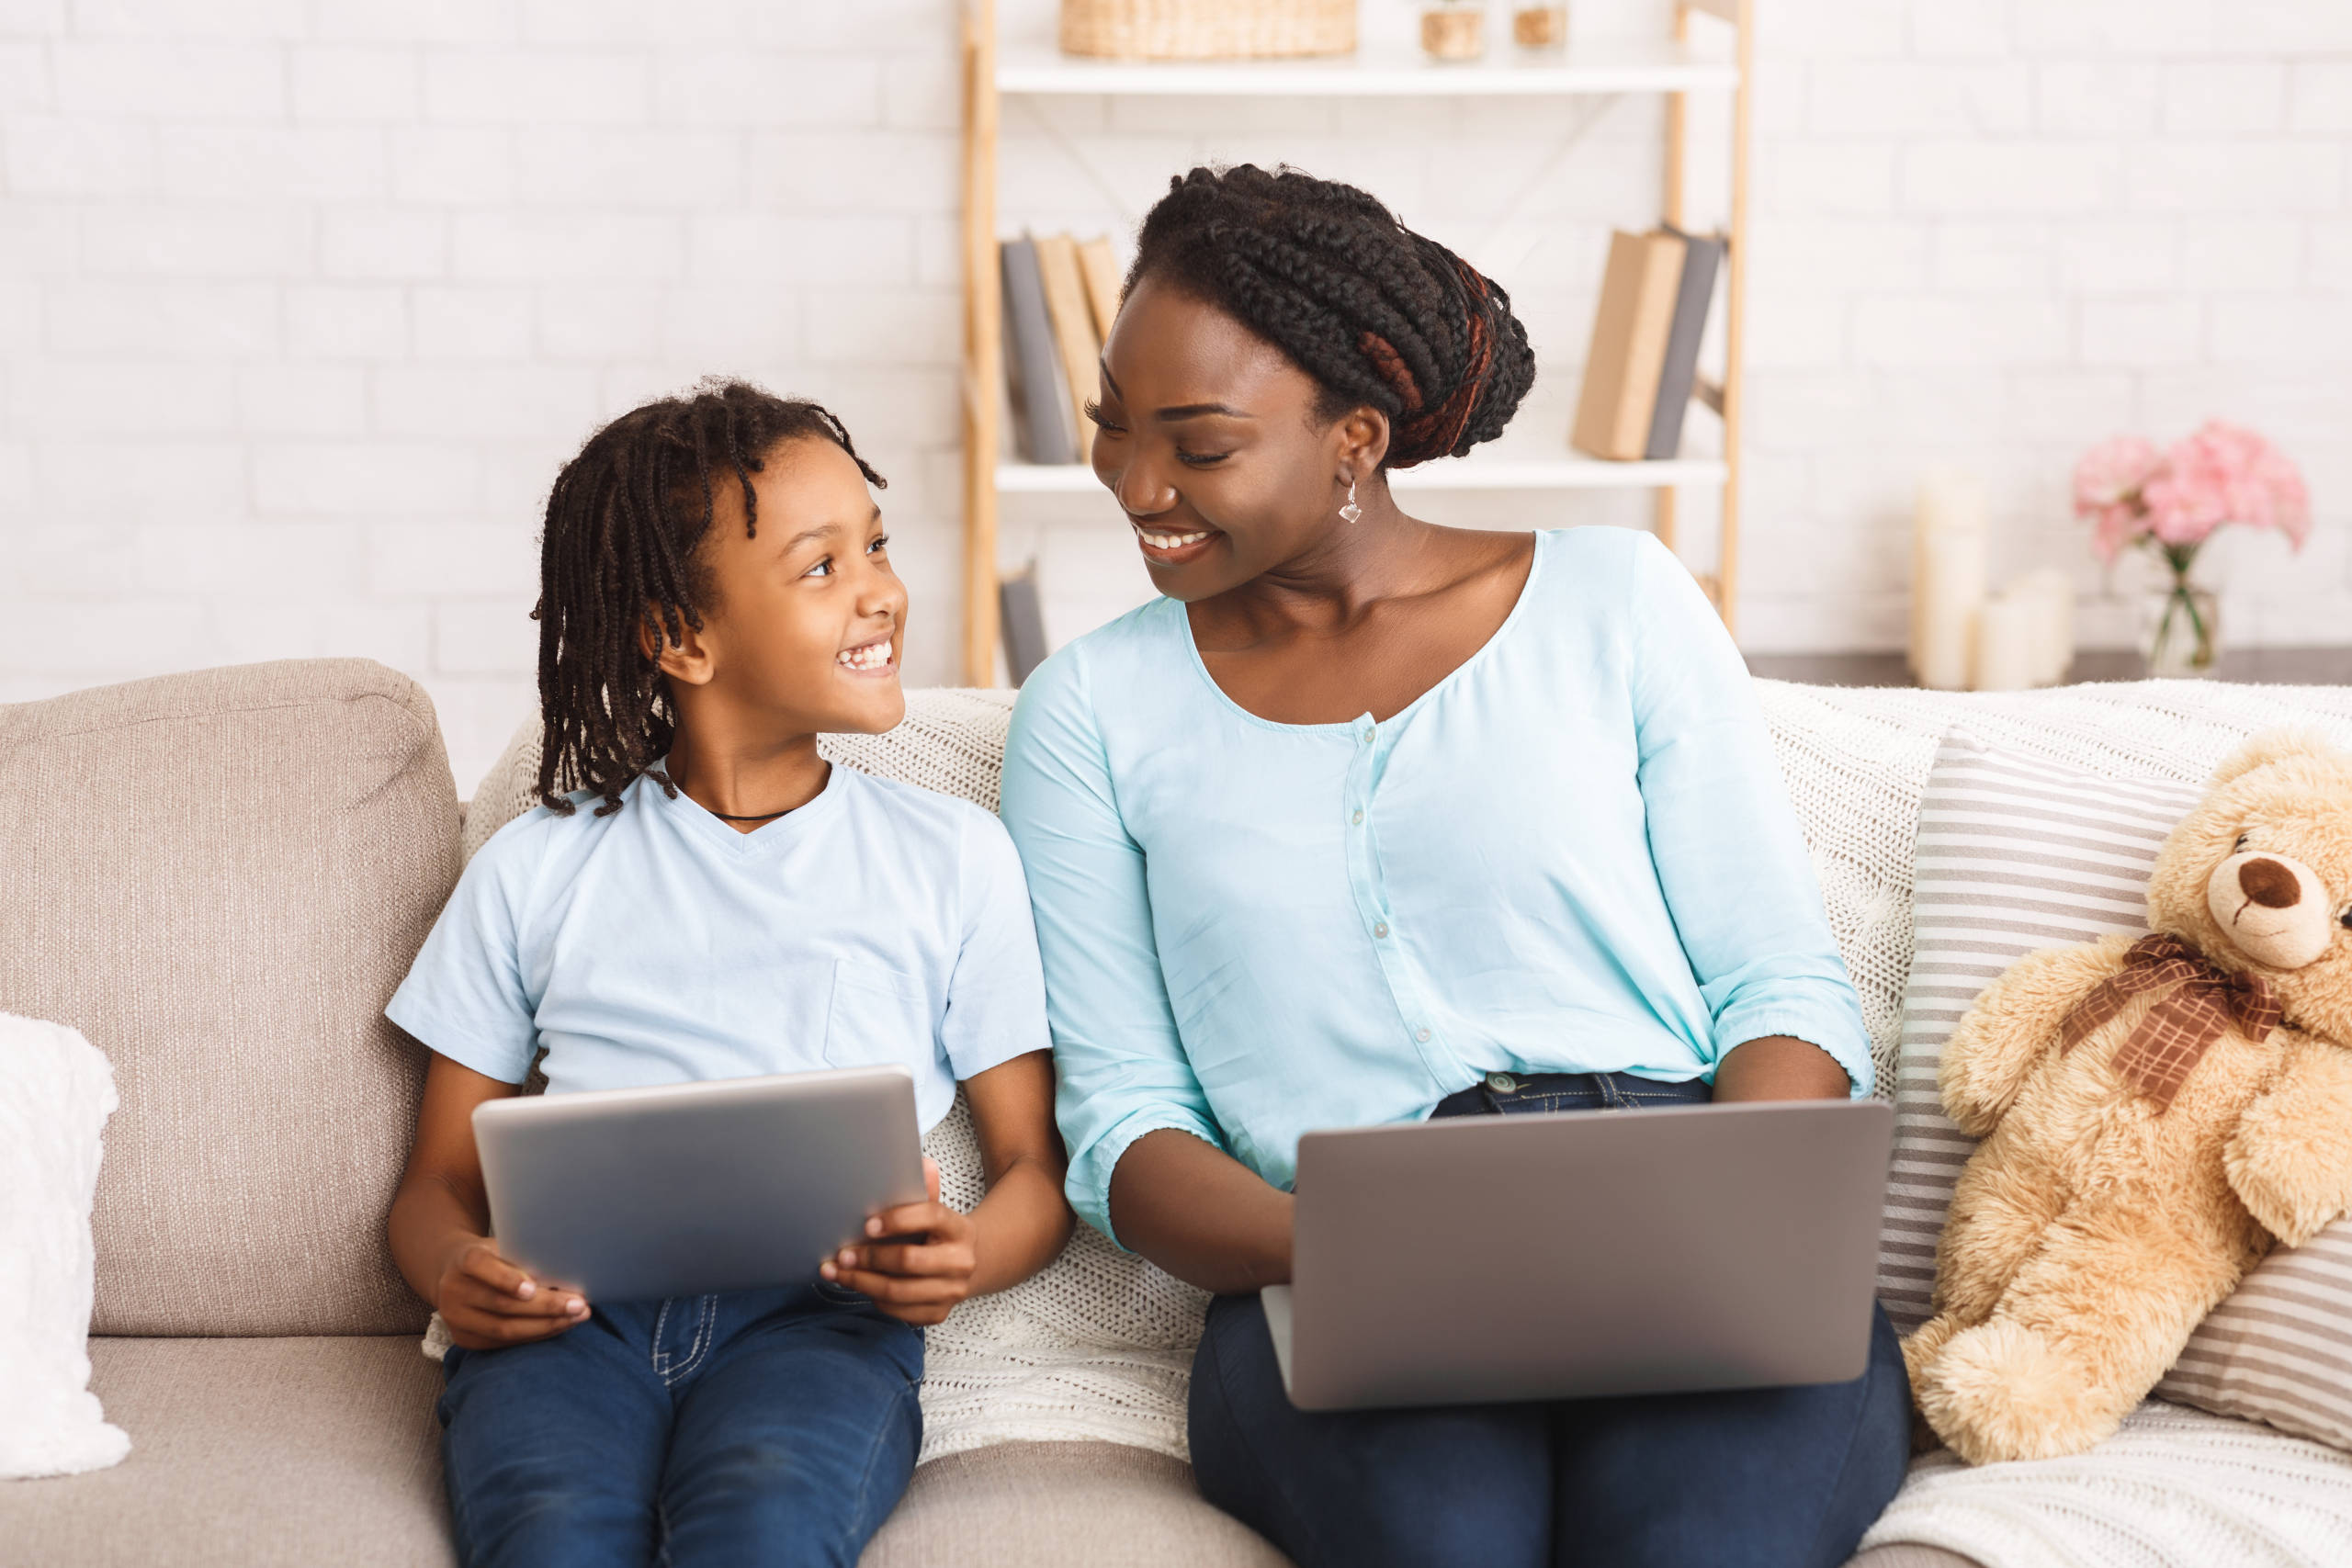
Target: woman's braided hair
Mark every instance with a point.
(625, 526)
(1376, 314)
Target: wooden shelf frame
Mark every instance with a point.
(1672, 68)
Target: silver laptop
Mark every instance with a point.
(634, 1193)
(1484, 1259)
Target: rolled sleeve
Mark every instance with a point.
(464, 995)
(996, 996)
(1731, 858)
(1119, 1063)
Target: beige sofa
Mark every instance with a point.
(219, 877)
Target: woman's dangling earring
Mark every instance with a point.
(1351, 511)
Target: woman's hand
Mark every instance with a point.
(1201, 1214)
(488, 1302)
(921, 1263)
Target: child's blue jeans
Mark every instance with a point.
(757, 1427)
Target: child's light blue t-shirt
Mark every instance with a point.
(881, 924)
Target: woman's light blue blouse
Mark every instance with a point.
(1574, 854)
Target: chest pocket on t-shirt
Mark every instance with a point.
(878, 1016)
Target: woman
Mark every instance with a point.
(1369, 819)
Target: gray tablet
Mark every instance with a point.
(634, 1193)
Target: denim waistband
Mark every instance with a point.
(1508, 1093)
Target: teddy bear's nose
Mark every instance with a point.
(2271, 884)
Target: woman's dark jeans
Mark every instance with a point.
(1764, 1477)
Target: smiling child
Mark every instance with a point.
(716, 592)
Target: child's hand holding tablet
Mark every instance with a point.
(487, 1302)
(921, 1262)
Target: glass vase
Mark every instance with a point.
(2180, 631)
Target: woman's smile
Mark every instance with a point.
(1173, 546)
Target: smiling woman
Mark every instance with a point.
(1368, 819)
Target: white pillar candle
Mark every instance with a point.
(2008, 645)
(2052, 592)
(1947, 578)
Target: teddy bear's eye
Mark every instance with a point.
(2345, 919)
(2240, 843)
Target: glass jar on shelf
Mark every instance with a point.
(1539, 26)
(1454, 29)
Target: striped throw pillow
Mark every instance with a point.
(2016, 854)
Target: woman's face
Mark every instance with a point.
(1207, 435)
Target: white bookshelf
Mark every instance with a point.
(1034, 67)
(1568, 472)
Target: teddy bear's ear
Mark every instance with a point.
(2277, 745)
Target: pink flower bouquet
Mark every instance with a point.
(2171, 502)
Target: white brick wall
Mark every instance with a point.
(2135, 211)
(303, 301)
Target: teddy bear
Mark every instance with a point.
(2157, 1112)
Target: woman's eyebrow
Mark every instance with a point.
(1195, 410)
(1179, 411)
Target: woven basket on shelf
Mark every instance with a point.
(1207, 30)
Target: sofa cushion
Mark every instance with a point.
(1062, 1505)
(2014, 854)
(56, 1093)
(255, 1452)
(250, 1453)
(218, 878)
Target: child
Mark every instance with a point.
(715, 593)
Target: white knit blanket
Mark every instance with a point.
(1099, 1345)
(2175, 1488)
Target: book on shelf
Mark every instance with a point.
(1102, 271)
(1625, 364)
(1627, 356)
(1044, 424)
(1702, 258)
(1021, 618)
(1074, 338)
(1060, 294)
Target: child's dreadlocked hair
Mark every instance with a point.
(625, 526)
(1377, 314)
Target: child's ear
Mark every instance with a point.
(685, 659)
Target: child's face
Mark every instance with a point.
(809, 617)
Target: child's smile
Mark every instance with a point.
(875, 657)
